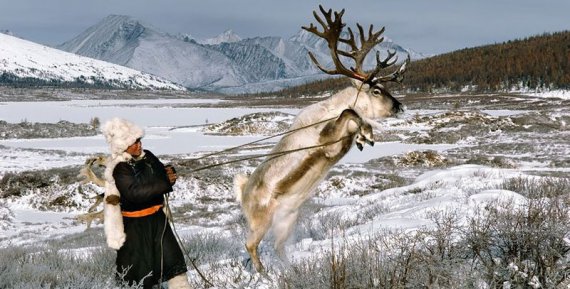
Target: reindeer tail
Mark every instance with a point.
(239, 184)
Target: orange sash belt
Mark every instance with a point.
(142, 213)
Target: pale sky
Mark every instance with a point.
(427, 26)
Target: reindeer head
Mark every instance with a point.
(376, 100)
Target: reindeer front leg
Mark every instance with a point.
(349, 125)
(364, 135)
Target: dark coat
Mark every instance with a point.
(142, 184)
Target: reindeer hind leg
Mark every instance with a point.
(254, 237)
(259, 224)
(283, 223)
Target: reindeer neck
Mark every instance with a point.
(347, 98)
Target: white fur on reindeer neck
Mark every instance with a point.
(119, 134)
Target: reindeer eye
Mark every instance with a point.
(376, 91)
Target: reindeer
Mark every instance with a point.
(87, 175)
(271, 196)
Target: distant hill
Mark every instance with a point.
(535, 62)
(538, 62)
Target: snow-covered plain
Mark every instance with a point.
(476, 149)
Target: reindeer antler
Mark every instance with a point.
(86, 173)
(331, 33)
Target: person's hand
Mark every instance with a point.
(171, 173)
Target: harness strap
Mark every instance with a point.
(142, 213)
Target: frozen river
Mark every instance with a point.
(148, 113)
(170, 125)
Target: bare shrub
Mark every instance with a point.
(372, 211)
(440, 253)
(388, 181)
(538, 188)
(55, 267)
(6, 216)
(95, 123)
(424, 159)
(210, 248)
(429, 258)
(521, 245)
(321, 225)
(17, 184)
(492, 161)
(503, 245)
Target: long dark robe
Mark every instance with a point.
(150, 243)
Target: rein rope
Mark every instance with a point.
(276, 154)
(260, 140)
(357, 94)
(179, 240)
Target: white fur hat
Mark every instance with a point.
(120, 134)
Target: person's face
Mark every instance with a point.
(135, 149)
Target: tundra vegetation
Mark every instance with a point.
(503, 243)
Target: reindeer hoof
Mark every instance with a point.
(246, 263)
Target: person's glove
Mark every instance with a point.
(171, 173)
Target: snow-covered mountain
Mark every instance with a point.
(227, 36)
(24, 60)
(7, 32)
(224, 63)
(126, 41)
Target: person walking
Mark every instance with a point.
(135, 224)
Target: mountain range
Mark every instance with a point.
(226, 63)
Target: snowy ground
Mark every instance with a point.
(445, 153)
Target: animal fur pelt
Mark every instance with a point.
(120, 134)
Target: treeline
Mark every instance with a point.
(318, 87)
(535, 62)
(541, 62)
(11, 80)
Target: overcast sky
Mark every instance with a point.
(427, 26)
